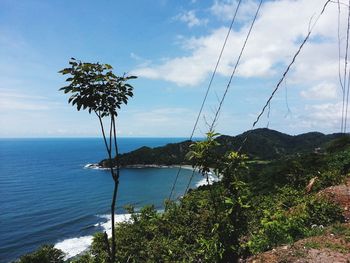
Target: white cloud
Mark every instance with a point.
(327, 112)
(326, 115)
(10, 100)
(135, 56)
(225, 9)
(274, 40)
(323, 90)
(190, 18)
(189, 70)
(323, 117)
(160, 121)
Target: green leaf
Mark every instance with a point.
(79, 105)
(108, 66)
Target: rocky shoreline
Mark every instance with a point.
(138, 166)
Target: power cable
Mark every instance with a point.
(345, 74)
(235, 67)
(348, 87)
(207, 91)
(284, 75)
(232, 74)
(286, 99)
(339, 50)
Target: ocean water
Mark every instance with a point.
(48, 197)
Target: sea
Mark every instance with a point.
(48, 196)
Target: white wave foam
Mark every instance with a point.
(94, 166)
(211, 178)
(107, 226)
(76, 245)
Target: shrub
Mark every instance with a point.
(285, 226)
(45, 254)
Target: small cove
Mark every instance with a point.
(48, 197)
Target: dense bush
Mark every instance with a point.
(45, 254)
(286, 225)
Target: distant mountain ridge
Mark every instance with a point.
(262, 144)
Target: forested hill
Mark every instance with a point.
(269, 144)
(264, 144)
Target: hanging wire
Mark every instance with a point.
(207, 91)
(345, 74)
(232, 74)
(268, 115)
(339, 50)
(284, 74)
(235, 67)
(348, 87)
(286, 99)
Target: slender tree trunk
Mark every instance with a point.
(115, 179)
(114, 198)
(116, 183)
(115, 175)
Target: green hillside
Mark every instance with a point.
(263, 144)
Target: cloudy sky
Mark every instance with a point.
(172, 46)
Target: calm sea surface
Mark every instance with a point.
(46, 195)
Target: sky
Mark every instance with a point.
(172, 46)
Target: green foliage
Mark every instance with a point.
(170, 154)
(256, 206)
(341, 230)
(307, 217)
(263, 144)
(99, 250)
(297, 171)
(167, 237)
(45, 254)
(96, 88)
(229, 221)
(286, 212)
(322, 212)
(85, 258)
(312, 244)
(339, 144)
(203, 154)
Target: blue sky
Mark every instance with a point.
(172, 46)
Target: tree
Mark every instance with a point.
(94, 87)
(45, 254)
(230, 203)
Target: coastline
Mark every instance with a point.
(212, 176)
(143, 166)
(139, 166)
(76, 246)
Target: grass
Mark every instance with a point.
(312, 244)
(341, 230)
